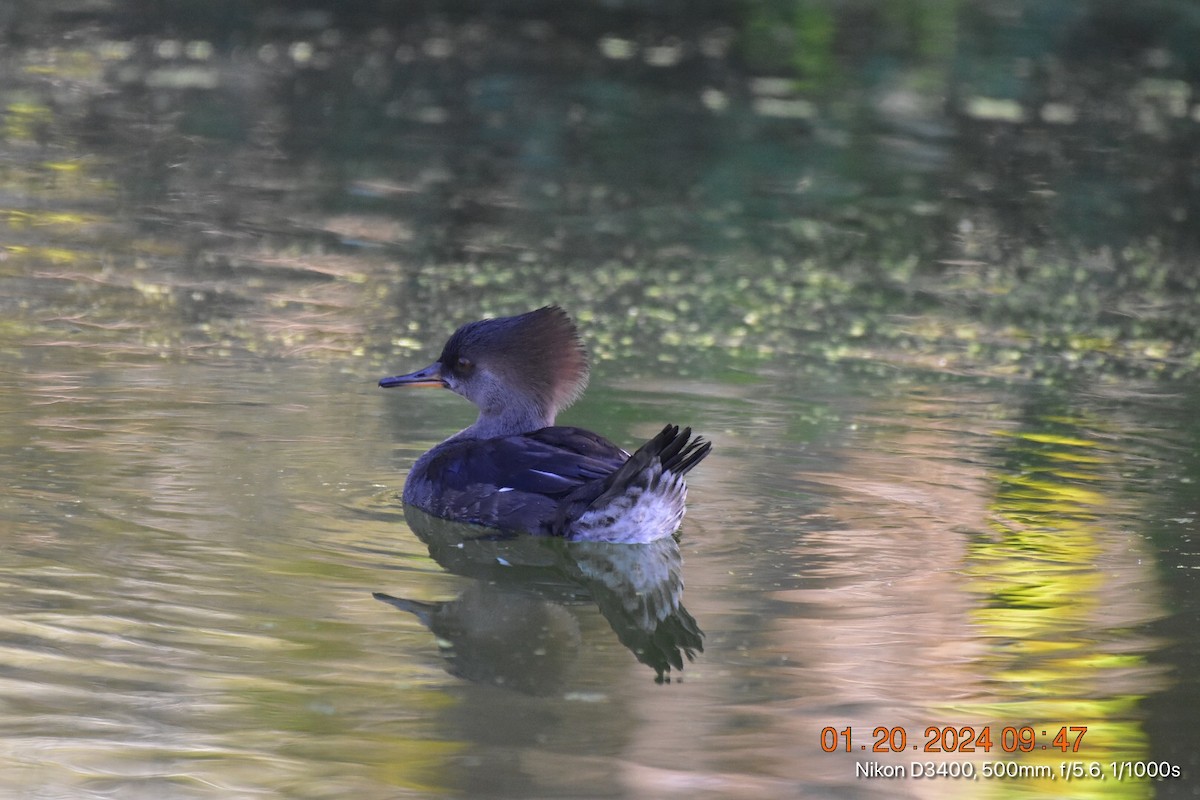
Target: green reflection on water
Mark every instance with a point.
(250, 214)
(1055, 582)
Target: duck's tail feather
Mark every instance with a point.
(641, 501)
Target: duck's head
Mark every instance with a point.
(520, 371)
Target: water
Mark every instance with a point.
(192, 552)
(945, 520)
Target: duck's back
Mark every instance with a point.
(515, 482)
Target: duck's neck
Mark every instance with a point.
(510, 420)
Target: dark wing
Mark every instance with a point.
(517, 482)
(552, 461)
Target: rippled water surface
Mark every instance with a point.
(192, 551)
(925, 509)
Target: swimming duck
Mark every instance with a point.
(514, 469)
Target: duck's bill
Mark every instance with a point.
(430, 376)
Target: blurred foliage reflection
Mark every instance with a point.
(1006, 190)
(1055, 575)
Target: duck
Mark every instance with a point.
(514, 469)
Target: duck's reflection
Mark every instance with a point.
(496, 634)
(511, 627)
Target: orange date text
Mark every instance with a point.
(958, 739)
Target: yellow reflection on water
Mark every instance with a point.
(1054, 576)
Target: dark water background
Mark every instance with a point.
(924, 272)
